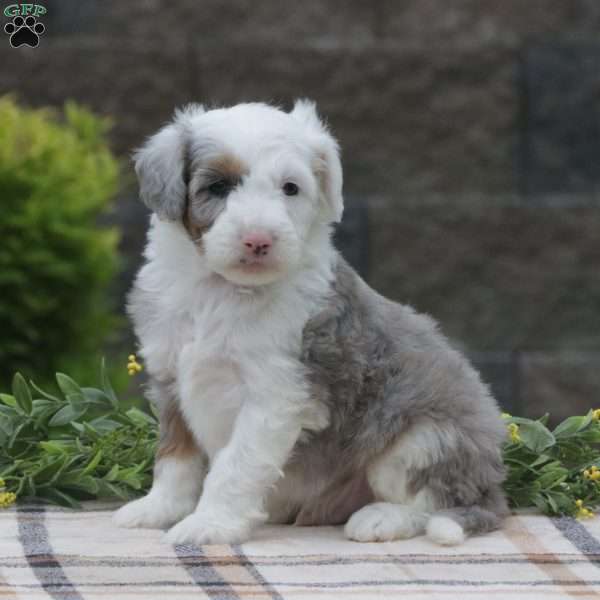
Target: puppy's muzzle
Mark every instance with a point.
(257, 244)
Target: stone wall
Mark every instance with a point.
(469, 133)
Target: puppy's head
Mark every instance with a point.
(252, 185)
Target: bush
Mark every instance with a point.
(57, 177)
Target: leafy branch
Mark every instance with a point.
(555, 471)
(79, 445)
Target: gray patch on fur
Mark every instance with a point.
(161, 165)
(381, 368)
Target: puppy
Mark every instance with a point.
(288, 389)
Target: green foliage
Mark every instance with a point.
(80, 444)
(56, 178)
(547, 469)
(84, 443)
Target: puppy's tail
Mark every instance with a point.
(450, 527)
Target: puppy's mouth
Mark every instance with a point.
(255, 265)
(253, 271)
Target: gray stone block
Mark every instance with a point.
(474, 23)
(500, 370)
(562, 384)
(270, 21)
(497, 277)
(561, 137)
(65, 17)
(352, 235)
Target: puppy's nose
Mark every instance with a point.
(257, 244)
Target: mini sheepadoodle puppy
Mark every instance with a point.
(288, 389)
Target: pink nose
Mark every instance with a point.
(257, 244)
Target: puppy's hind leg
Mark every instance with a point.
(399, 512)
(178, 475)
(431, 483)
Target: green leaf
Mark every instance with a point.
(540, 460)
(572, 425)
(16, 430)
(8, 400)
(54, 447)
(108, 489)
(112, 474)
(7, 412)
(103, 425)
(536, 436)
(544, 419)
(95, 396)
(67, 414)
(42, 410)
(48, 471)
(552, 479)
(77, 479)
(590, 435)
(41, 404)
(78, 399)
(43, 393)
(21, 393)
(107, 387)
(139, 417)
(93, 463)
(552, 502)
(67, 385)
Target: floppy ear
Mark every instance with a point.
(328, 166)
(160, 165)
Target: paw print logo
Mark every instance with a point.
(24, 31)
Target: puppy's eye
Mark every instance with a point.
(219, 188)
(290, 189)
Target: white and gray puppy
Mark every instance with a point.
(289, 390)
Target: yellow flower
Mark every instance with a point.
(2, 483)
(7, 498)
(582, 511)
(506, 416)
(596, 415)
(513, 431)
(133, 366)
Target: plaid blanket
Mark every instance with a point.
(79, 555)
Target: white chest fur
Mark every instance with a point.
(223, 345)
(242, 343)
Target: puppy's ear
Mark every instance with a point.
(160, 165)
(328, 166)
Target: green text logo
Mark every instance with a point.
(22, 10)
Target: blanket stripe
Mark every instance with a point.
(63, 554)
(256, 574)
(578, 535)
(48, 571)
(203, 573)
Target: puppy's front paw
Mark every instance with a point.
(152, 512)
(197, 529)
